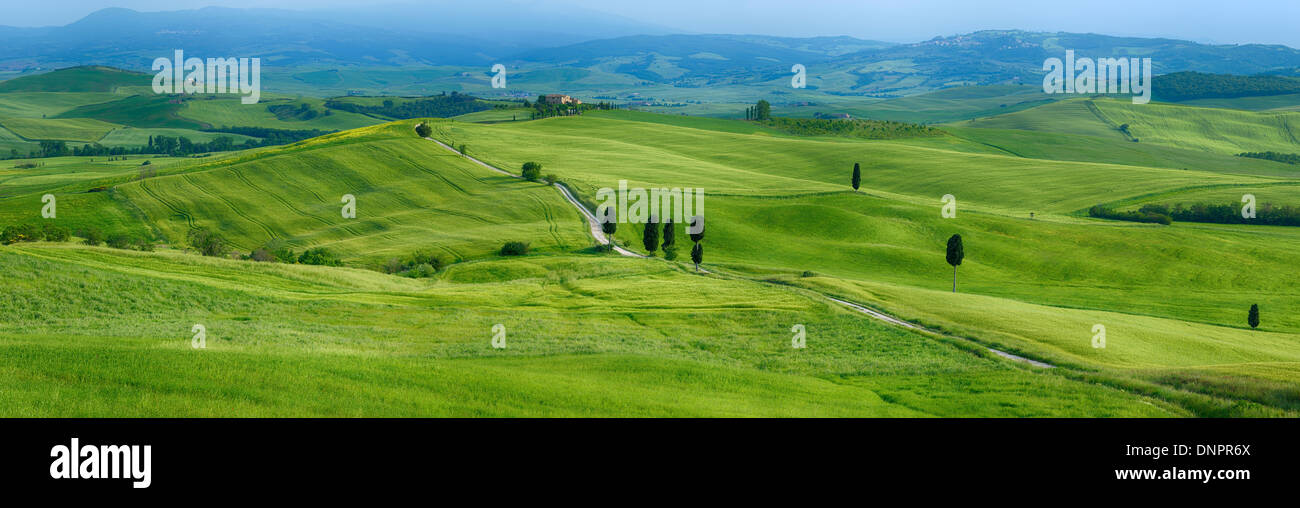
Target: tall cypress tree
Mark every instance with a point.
(955, 254)
(1253, 317)
(670, 235)
(697, 255)
(650, 235)
(608, 224)
(697, 224)
(857, 176)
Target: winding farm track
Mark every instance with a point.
(599, 235)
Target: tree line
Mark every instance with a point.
(1229, 213)
(437, 106)
(175, 145)
(1182, 86)
(543, 110)
(1286, 158)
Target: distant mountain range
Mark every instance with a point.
(463, 35)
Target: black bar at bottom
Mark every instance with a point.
(363, 454)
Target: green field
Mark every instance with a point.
(222, 111)
(84, 130)
(77, 79)
(1212, 130)
(592, 333)
(410, 194)
(287, 340)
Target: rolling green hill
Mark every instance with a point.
(885, 247)
(77, 79)
(635, 336)
(297, 340)
(85, 130)
(410, 193)
(1219, 131)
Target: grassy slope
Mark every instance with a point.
(410, 194)
(601, 150)
(47, 104)
(1217, 131)
(1079, 267)
(84, 130)
(77, 79)
(879, 251)
(221, 111)
(144, 110)
(73, 181)
(294, 341)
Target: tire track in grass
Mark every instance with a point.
(189, 219)
(270, 233)
(290, 206)
(552, 226)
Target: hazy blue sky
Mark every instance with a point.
(1216, 21)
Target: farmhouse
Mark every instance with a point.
(555, 98)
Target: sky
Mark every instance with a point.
(1206, 21)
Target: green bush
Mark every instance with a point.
(20, 233)
(121, 241)
(54, 233)
(93, 236)
(319, 256)
(209, 243)
(421, 271)
(531, 171)
(514, 249)
(423, 130)
(418, 265)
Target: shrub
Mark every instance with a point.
(421, 271)
(209, 243)
(423, 130)
(54, 233)
(121, 241)
(261, 255)
(531, 171)
(670, 253)
(319, 256)
(93, 236)
(417, 265)
(20, 233)
(514, 249)
(551, 179)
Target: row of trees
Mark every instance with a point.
(90, 236)
(1287, 158)
(760, 111)
(1229, 213)
(543, 110)
(652, 233)
(176, 145)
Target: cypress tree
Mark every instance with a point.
(697, 255)
(857, 176)
(608, 224)
(1253, 318)
(955, 254)
(697, 224)
(650, 235)
(670, 235)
